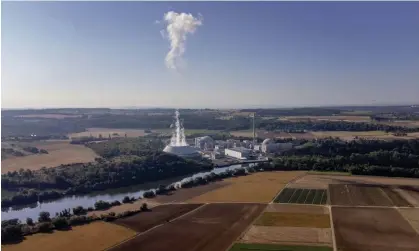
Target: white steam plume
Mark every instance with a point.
(179, 25)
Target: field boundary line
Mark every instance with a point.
(247, 228)
(332, 226)
(408, 221)
(150, 229)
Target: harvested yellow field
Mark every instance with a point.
(105, 132)
(257, 187)
(94, 236)
(293, 220)
(328, 118)
(244, 133)
(59, 153)
(288, 235)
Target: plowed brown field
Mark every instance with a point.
(158, 215)
(367, 229)
(357, 195)
(212, 227)
(304, 209)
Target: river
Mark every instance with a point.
(89, 200)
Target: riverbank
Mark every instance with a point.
(86, 201)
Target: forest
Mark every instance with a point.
(398, 158)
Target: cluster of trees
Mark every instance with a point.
(144, 146)
(300, 126)
(85, 178)
(399, 158)
(13, 230)
(34, 150)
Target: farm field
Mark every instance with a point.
(302, 196)
(95, 132)
(158, 215)
(242, 133)
(59, 153)
(292, 208)
(293, 220)
(361, 195)
(211, 227)
(168, 132)
(273, 247)
(288, 235)
(49, 116)
(411, 215)
(291, 224)
(257, 187)
(365, 229)
(410, 194)
(328, 118)
(322, 181)
(182, 195)
(91, 237)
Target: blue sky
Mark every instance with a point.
(248, 54)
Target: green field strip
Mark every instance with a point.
(295, 196)
(303, 196)
(324, 198)
(318, 196)
(310, 197)
(276, 247)
(284, 196)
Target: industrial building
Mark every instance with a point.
(204, 143)
(183, 151)
(269, 146)
(238, 152)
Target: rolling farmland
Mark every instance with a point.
(258, 187)
(210, 227)
(366, 229)
(91, 237)
(291, 225)
(59, 153)
(357, 195)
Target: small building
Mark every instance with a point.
(238, 152)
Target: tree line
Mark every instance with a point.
(398, 158)
(301, 126)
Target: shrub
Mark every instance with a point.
(29, 221)
(78, 220)
(149, 194)
(60, 223)
(44, 217)
(115, 203)
(102, 205)
(126, 200)
(11, 233)
(44, 227)
(144, 207)
(79, 210)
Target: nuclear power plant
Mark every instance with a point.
(221, 149)
(178, 145)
